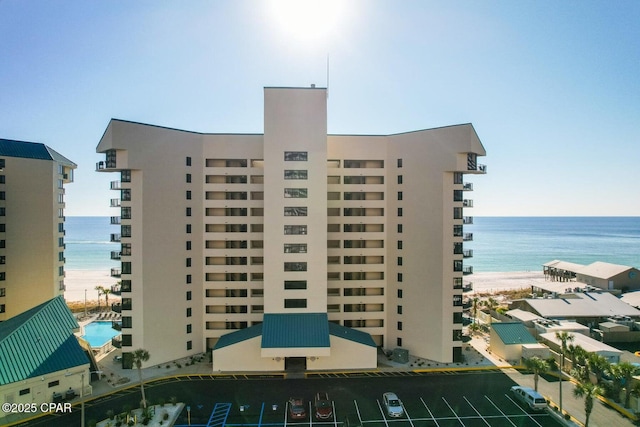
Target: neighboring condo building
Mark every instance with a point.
(32, 179)
(291, 247)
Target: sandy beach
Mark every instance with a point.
(500, 281)
(77, 281)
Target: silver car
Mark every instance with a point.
(393, 405)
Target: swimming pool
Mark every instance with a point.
(99, 333)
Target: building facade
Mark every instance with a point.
(32, 180)
(224, 232)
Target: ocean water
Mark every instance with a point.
(525, 243)
(88, 246)
(499, 243)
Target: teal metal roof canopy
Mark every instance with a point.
(295, 330)
(513, 333)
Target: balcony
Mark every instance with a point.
(467, 220)
(116, 185)
(115, 220)
(115, 203)
(115, 237)
(467, 203)
(468, 253)
(115, 255)
(467, 270)
(467, 287)
(467, 237)
(116, 272)
(467, 186)
(105, 165)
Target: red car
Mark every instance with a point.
(297, 408)
(323, 406)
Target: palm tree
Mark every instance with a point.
(625, 371)
(100, 290)
(491, 304)
(588, 391)
(106, 292)
(564, 337)
(474, 308)
(598, 365)
(139, 356)
(537, 366)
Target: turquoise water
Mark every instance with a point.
(99, 333)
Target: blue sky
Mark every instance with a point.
(552, 88)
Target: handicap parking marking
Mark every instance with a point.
(523, 410)
(500, 410)
(477, 412)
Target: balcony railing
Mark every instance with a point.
(467, 287)
(467, 270)
(115, 255)
(115, 203)
(468, 253)
(467, 203)
(468, 186)
(115, 237)
(115, 220)
(116, 185)
(467, 220)
(467, 237)
(116, 272)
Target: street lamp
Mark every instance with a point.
(82, 391)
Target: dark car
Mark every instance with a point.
(297, 408)
(323, 406)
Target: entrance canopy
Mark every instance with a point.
(295, 334)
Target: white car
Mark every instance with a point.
(393, 405)
(530, 397)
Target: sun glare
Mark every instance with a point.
(307, 20)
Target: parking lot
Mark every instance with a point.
(421, 410)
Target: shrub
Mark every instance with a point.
(165, 415)
(567, 417)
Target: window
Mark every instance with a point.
(295, 248)
(188, 161)
(188, 262)
(2, 179)
(295, 229)
(457, 317)
(457, 178)
(295, 156)
(295, 284)
(188, 212)
(125, 175)
(189, 328)
(399, 163)
(24, 391)
(127, 322)
(3, 211)
(2, 308)
(457, 195)
(457, 300)
(296, 193)
(457, 335)
(125, 194)
(295, 266)
(295, 174)
(188, 177)
(399, 326)
(399, 260)
(3, 292)
(399, 195)
(399, 211)
(399, 179)
(188, 295)
(295, 211)
(399, 228)
(399, 244)
(127, 340)
(457, 265)
(188, 278)
(188, 195)
(399, 293)
(399, 342)
(188, 245)
(399, 277)
(125, 212)
(399, 309)
(188, 228)
(126, 268)
(189, 312)
(295, 303)
(457, 213)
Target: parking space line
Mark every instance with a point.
(286, 409)
(430, 413)
(310, 416)
(333, 410)
(382, 412)
(520, 407)
(454, 412)
(261, 412)
(407, 414)
(357, 410)
(500, 410)
(477, 412)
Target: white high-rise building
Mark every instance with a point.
(32, 179)
(292, 247)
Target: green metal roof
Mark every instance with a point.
(295, 330)
(513, 333)
(31, 150)
(238, 336)
(351, 334)
(39, 341)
